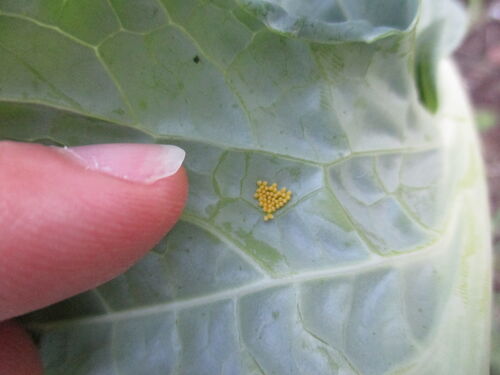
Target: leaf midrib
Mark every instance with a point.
(235, 293)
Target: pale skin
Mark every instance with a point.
(65, 229)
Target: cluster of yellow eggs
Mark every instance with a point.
(271, 198)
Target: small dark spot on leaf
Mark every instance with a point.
(196, 59)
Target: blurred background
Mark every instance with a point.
(479, 61)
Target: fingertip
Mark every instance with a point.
(18, 353)
(66, 228)
(175, 191)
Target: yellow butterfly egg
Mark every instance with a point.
(271, 198)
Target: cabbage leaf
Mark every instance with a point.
(379, 265)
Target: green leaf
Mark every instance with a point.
(485, 119)
(437, 38)
(378, 258)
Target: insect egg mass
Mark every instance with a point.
(271, 198)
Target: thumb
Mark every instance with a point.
(71, 219)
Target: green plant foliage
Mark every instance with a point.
(379, 264)
(485, 119)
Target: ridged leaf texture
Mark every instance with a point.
(380, 262)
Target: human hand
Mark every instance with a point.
(71, 219)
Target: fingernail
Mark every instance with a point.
(144, 163)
